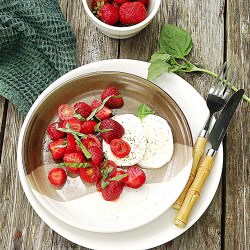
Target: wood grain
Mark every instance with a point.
(237, 223)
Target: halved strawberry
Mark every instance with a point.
(71, 144)
(57, 177)
(112, 102)
(91, 140)
(90, 174)
(104, 113)
(96, 154)
(65, 112)
(78, 150)
(57, 148)
(83, 109)
(116, 130)
(74, 123)
(88, 127)
(99, 185)
(136, 177)
(73, 158)
(112, 191)
(54, 133)
(144, 2)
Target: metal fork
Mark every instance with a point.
(216, 100)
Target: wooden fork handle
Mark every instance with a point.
(194, 191)
(198, 151)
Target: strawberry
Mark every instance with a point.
(116, 132)
(90, 174)
(131, 13)
(73, 158)
(99, 185)
(104, 113)
(74, 123)
(122, 172)
(71, 144)
(57, 177)
(112, 102)
(96, 154)
(65, 112)
(136, 177)
(121, 1)
(110, 164)
(108, 14)
(96, 4)
(57, 148)
(144, 2)
(112, 191)
(78, 150)
(91, 140)
(88, 127)
(83, 109)
(54, 133)
(116, 5)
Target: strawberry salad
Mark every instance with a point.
(107, 150)
(120, 12)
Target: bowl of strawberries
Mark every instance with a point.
(121, 19)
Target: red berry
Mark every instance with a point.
(99, 185)
(57, 177)
(97, 3)
(116, 5)
(65, 112)
(91, 140)
(57, 148)
(54, 133)
(108, 14)
(122, 172)
(83, 109)
(90, 174)
(73, 158)
(132, 13)
(71, 144)
(136, 177)
(88, 127)
(144, 2)
(112, 102)
(110, 164)
(112, 191)
(78, 150)
(96, 154)
(74, 123)
(120, 148)
(121, 1)
(116, 133)
(104, 113)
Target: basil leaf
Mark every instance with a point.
(83, 148)
(104, 184)
(160, 56)
(69, 130)
(98, 130)
(105, 172)
(175, 41)
(78, 116)
(144, 110)
(156, 69)
(119, 177)
(75, 165)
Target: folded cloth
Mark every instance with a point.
(36, 47)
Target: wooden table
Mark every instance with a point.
(221, 32)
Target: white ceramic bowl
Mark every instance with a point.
(122, 32)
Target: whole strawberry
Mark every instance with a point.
(114, 130)
(108, 14)
(121, 1)
(131, 13)
(96, 4)
(112, 102)
(145, 2)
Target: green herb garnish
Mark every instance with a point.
(98, 130)
(144, 110)
(75, 165)
(175, 45)
(119, 177)
(83, 148)
(80, 117)
(71, 131)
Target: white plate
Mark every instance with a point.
(162, 229)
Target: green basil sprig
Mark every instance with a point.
(75, 165)
(144, 110)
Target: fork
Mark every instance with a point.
(216, 100)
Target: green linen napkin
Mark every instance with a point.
(36, 47)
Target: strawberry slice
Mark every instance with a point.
(88, 127)
(57, 177)
(57, 148)
(91, 140)
(54, 133)
(136, 177)
(120, 148)
(73, 158)
(104, 113)
(116, 130)
(112, 191)
(90, 174)
(71, 144)
(75, 124)
(83, 109)
(112, 102)
(65, 112)
(96, 154)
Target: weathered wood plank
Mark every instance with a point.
(205, 21)
(238, 151)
